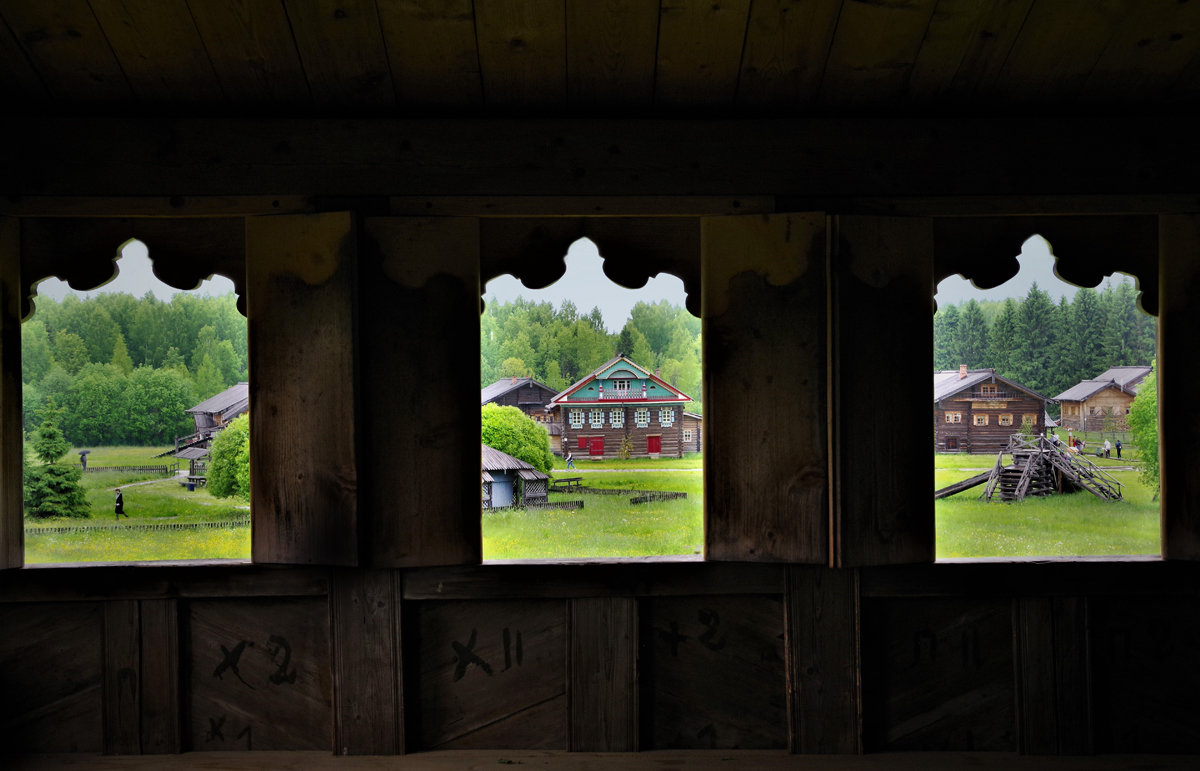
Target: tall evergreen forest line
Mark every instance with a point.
(1043, 345)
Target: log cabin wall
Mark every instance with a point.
(389, 639)
(992, 436)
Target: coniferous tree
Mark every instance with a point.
(1084, 352)
(1036, 339)
(973, 336)
(1002, 339)
(52, 488)
(947, 345)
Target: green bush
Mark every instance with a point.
(511, 431)
(229, 460)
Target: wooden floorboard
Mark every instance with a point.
(693, 760)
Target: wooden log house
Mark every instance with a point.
(978, 411)
(810, 170)
(1101, 403)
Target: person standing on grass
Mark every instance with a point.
(1118, 445)
(1107, 448)
(119, 505)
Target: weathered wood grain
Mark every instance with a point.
(159, 51)
(160, 677)
(300, 275)
(765, 391)
(431, 48)
(366, 653)
(1178, 329)
(12, 508)
(342, 52)
(938, 674)
(156, 206)
(699, 51)
(784, 55)
(490, 675)
(522, 51)
(258, 675)
(881, 318)
(713, 673)
(572, 206)
(603, 680)
(122, 678)
(824, 699)
(420, 291)
(610, 49)
(51, 669)
(873, 52)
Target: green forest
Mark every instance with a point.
(558, 346)
(1044, 345)
(123, 369)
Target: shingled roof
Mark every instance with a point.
(504, 385)
(949, 382)
(1126, 379)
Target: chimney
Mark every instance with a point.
(658, 372)
(962, 371)
(514, 377)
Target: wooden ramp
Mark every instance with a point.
(965, 484)
(1042, 466)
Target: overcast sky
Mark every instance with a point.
(1037, 264)
(585, 284)
(136, 278)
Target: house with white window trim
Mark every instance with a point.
(621, 404)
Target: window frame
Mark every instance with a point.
(980, 419)
(595, 418)
(616, 417)
(572, 413)
(638, 420)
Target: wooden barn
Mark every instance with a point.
(1101, 403)
(212, 414)
(526, 394)
(810, 170)
(621, 406)
(977, 411)
(691, 435)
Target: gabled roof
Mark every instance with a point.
(504, 385)
(610, 367)
(1125, 379)
(947, 383)
(494, 460)
(236, 396)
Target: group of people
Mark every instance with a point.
(1077, 445)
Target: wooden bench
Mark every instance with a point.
(566, 484)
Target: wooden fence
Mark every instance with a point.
(228, 523)
(164, 469)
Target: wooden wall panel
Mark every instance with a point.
(366, 655)
(882, 325)
(258, 675)
(122, 678)
(489, 675)
(713, 673)
(51, 660)
(160, 696)
(603, 681)
(420, 306)
(1178, 369)
(824, 699)
(1053, 686)
(765, 448)
(300, 272)
(1145, 678)
(938, 674)
(12, 508)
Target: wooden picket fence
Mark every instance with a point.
(227, 523)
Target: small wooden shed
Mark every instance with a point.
(509, 481)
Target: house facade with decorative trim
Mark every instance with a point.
(976, 411)
(1103, 402)
(619, 406)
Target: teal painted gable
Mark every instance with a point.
(642, 387)
(622, 365)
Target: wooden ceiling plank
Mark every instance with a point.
(1148, 50)
(787, 43)
(611, 51)
(251, 48)
(160, 51)
(873, 52)
(18, 80)
(1055, 51)
(341, 46)
(700, 51)
(962, 35)
(983, 61)
(522, 51)
(431, 48)
(69, 52)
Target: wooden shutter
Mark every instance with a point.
(300, 278)
(881, 316)
(420, 380)
(765, 440)
(12, 533)
(1178, 374)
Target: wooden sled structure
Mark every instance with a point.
(1044, 466)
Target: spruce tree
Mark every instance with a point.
(1036, 335)
(52, 488)
(947, 346)
(973, 336)
(1003, 338)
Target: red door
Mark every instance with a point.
(583, 443)
(653, 444)
(596, 445)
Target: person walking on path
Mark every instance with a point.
(119, 505)
(1118, 448)
(570, 460)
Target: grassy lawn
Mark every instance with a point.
(608, 525)
(689, 460)
(149, 499)
(1078, 524)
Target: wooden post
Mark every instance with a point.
(765, 471)
(1178, 370)
(882, 353)
(420, 380)
(12, 532)
(300, 279)
(160, 652)
(603, 680)
(122, 678)
(367, 713)
(1053, 666)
